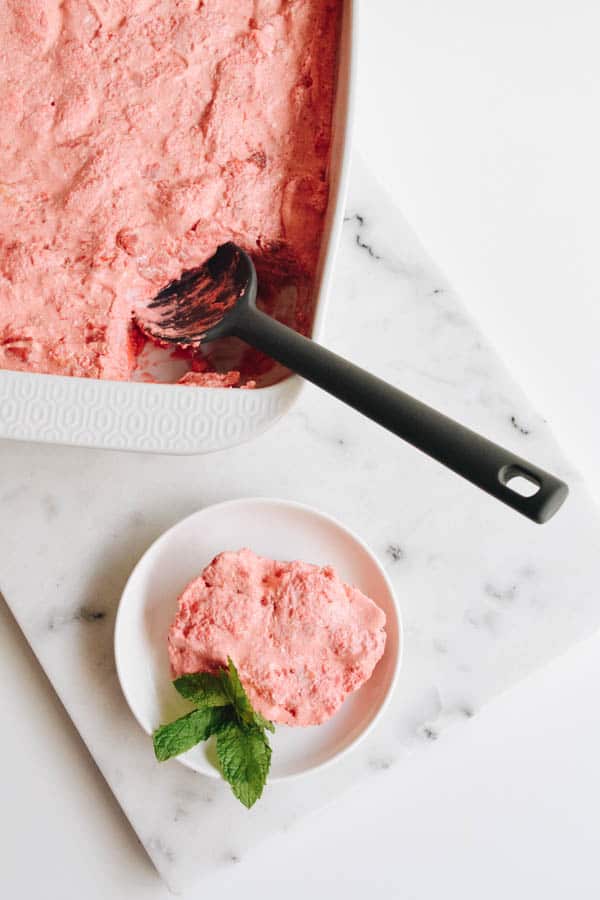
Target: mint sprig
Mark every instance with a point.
(202, 689)
(238, 698)
(184, 733)
(244, 758)
(223, 708)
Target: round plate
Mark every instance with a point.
(272, 528)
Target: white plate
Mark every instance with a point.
(272, 528)
(169, 418)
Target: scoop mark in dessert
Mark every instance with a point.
(358, 237)
(522, 429)
(395, 552)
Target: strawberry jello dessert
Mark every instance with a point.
(301, 639)
(138, 136)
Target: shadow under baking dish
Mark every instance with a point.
(273, 528)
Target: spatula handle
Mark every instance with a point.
(483, 463)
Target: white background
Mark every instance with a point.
(481, 119)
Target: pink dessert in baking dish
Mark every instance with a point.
(139, 135)
(301, 639)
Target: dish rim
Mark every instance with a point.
(139, 417)
(330, 520)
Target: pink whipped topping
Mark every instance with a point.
(215, 379)
(301, 639)
(139, 135)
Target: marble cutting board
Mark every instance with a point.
(487, 596)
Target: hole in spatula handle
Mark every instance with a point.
(521, 482)
(535, 493)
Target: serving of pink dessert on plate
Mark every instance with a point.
(143, 135)
(309, 643)
(302, 640)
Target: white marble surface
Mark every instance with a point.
(490, 148)
(534, 805)
(482, 590)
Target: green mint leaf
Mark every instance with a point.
(244, 758)
(263, 723)
(184, 733)
(234, 689)
(202, 689)
(239, 699)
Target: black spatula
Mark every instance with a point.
(218, 300)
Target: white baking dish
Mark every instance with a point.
(165, 418)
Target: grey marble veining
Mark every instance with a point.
(486, 596)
